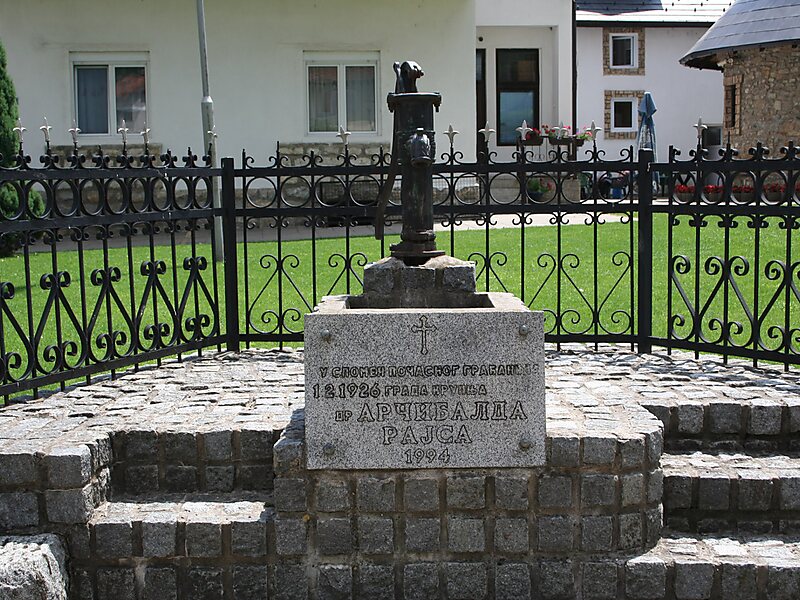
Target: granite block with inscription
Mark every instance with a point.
(412, 388)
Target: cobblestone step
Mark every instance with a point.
(716, 492)
(207, 546)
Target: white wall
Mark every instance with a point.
(256, 62)
(542, 24)
(681, 94)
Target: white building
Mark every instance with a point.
(293, 71)
(627, 49)
(280, 70)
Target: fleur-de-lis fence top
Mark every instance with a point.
(74, 131)
(486, 132)
(45, 129)
(145, 133)
(451, 133)
(343, 134)
(524, 130)
(700, 127)
(20, 131)
(123, 130)
(594, 130)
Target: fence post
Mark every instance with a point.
(644, 329)
(231, 258)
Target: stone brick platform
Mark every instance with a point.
(165, 484)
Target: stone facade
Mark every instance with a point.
(607, 107)
(766, 102)
(640, 53)
(585, 526)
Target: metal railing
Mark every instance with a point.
(114, 264)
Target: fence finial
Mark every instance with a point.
(45, 129)
(145, 133)
(344, 134)
(700, 126)
(20, 131)
(74, 131)
(451, 133)
(594, 129)
(486, 132)
(124, 131)
(524, 130)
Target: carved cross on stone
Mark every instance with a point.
(423, 328)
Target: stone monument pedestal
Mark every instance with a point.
(424, 465)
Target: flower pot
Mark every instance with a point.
(533, 140)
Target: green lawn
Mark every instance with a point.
(521, 261)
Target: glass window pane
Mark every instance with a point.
(92, 99)
(514, 108)
(621, 51)
(360, 103)
(517, 66)
(623, 114)
(323, 99)
(130, 90)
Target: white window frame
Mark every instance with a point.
(634, 104)
(341, 60)
(634, 37)
(110, 60)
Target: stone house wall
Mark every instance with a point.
(767, 104)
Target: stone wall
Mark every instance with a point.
(766, 83)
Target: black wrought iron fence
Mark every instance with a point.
(114, 263)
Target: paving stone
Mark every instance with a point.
(598, 490)
(690, 418)
(203, 539)
(512, 582)
(466, 535)
(466, 492)
(555, 491)
(714, 492)
(421, 581)
(565, 452)
(250, 583)
(290, 495)
(159, 536)
(783, 581)
(34, 568)
(160, 584)
(421, 495)
(118, 584)
(600, 581)
(113, 540)
(725, 417)
(17, 469)
(180, 478)
(70, 506)
(249, 538)
(375, 535)
(645, 578)
(375, 494)
(693, 580)
(599, 450)
(739, 581)
(556, 534)
(765, 418)
(511, 493)
(422, 534)
(290, 583)
(376, 582)
(335, 582)
(256, 445)
(333, 496)
(556, 580)
(69, 467)
(511, 535)
(291, 536)
(204, 583)
(466, 581)
(179, 447)
(633, 489)
(633, 452)
(220, 479)
(334, 536)
(218, 446)
(20, 510)
(597, 534)
(141, 479)
(141, 445)
(630, 531)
